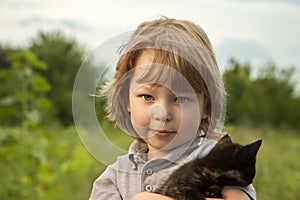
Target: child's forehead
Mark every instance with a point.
(155, 76)
(150, 86)
(153, 87)
(151, 57)
(162, 67)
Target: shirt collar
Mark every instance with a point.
(183, 150)
(138, 151)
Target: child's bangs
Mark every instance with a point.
(174, 71)
(162, 72)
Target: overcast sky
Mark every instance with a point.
(250, 30)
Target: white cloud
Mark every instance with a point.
(242, 49)
(272, 25)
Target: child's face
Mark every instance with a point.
(163, 117)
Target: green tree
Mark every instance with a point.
(6, 50)
(23, 91)
(268, 97)
(237, 82)
(274, 93)
(64, 57)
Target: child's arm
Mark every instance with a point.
(105, 186)
(234, 194)
(150, 196)
(228, 194)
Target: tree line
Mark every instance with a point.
(268, 97)
(36, 82)
(36, 85)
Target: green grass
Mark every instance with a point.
(278, 163)
(45, 164)
(51, 163)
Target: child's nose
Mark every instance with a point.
(160, 112)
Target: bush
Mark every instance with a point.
(45, 164)
(268, 98)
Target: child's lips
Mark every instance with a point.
(163, 133)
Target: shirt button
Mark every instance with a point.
(148, 188)
(149, 172)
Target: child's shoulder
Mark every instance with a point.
(122, 163)
(204, 146)
(127, 161)
(207, 141)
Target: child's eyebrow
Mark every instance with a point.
(150, 86)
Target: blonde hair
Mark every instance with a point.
(181, 45)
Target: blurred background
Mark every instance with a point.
(43, 43)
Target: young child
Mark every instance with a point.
(168, 94)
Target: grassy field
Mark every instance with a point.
(278, 165)
(51, 163)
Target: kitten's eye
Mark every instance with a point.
(181, 99)
(147, 97)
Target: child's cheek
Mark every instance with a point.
(139, 118)
(190, 120)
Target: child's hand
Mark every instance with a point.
(234, 194)
(228, 194)
(150, 196)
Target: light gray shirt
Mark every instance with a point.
(132, 173)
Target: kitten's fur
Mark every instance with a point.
(227, 164)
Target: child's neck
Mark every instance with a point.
(156, 153)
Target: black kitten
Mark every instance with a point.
(227, 164)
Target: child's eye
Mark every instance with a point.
(181, 99)
(147, 97)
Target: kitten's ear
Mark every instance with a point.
(225, 140)
(253, 147)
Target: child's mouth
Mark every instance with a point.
(163, 133)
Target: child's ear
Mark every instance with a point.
(204, 114)
(128, 108)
